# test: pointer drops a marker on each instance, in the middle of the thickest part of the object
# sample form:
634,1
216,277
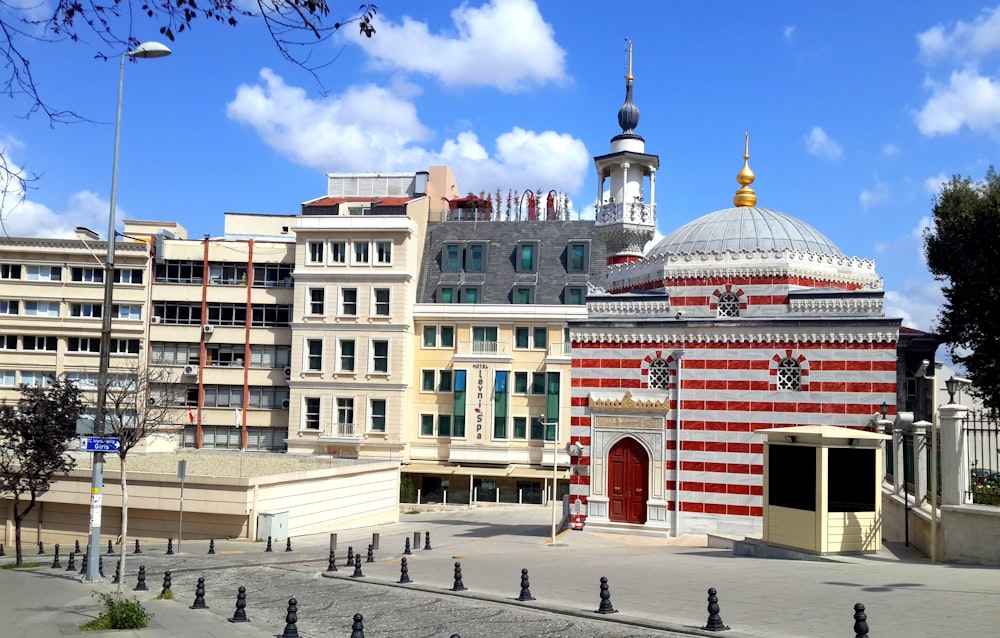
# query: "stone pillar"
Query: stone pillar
921,448
903,422
954,459
652,191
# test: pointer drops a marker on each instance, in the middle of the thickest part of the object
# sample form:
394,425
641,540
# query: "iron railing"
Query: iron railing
982,446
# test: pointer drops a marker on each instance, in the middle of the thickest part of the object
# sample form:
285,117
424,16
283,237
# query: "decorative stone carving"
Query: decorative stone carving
628,402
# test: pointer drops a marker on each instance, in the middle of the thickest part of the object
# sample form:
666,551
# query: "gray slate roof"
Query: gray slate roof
501,276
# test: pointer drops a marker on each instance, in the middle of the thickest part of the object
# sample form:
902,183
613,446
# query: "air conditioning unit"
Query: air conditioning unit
189,370
155,319
284,404
208,329
288,372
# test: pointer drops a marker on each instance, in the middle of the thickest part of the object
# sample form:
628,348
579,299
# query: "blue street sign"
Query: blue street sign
99,444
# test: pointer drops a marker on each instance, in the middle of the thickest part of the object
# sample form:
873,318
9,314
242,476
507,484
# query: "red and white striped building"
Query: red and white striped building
741,320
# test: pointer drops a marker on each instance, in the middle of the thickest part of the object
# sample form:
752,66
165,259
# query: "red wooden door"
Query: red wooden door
628,479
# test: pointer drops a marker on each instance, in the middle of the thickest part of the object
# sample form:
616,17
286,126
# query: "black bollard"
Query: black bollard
427,540
83,565
241,606
111,550
170,547
166,584
350,556
331,565
860,621
371,554
211,546
406,547
1,550
118,573
357,566
199,594
288,544
606,607
358,628
525,590
76,547
71,565
100,565
55,561
140,581
268,548
41,548
137,550
404,572
291,618
459,585
714,619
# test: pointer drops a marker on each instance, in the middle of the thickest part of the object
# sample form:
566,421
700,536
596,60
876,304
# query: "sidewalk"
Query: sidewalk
656,583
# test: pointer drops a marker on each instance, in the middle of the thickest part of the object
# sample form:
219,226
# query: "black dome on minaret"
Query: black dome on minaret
628,114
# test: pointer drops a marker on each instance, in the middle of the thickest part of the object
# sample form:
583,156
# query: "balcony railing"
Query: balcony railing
342,431
560,349
484,347
635,212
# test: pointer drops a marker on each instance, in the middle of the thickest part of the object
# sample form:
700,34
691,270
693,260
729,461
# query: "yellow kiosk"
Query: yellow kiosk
822,489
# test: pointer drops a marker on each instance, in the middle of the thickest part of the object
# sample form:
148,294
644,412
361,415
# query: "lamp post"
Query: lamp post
143,51
555,467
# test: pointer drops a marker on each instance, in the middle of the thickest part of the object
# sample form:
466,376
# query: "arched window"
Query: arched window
729,305
789,374
659,374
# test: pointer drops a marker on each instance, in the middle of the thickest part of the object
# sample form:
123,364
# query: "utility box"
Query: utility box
822,489
273,524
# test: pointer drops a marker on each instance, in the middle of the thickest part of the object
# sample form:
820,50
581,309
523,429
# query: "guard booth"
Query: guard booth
822,489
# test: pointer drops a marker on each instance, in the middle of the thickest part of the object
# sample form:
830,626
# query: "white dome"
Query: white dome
745,229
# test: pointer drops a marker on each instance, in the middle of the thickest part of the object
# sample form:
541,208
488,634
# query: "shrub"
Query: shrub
119,614
407,491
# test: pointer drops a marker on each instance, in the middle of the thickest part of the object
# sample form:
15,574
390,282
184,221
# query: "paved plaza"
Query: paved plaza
658,585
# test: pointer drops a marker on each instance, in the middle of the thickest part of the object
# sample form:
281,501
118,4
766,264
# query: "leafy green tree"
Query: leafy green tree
962,247
34,440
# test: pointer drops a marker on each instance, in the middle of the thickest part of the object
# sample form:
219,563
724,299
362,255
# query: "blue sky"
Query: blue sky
856,115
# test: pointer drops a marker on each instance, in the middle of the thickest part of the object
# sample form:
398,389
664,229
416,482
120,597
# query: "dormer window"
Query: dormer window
729,305
527,257
577,259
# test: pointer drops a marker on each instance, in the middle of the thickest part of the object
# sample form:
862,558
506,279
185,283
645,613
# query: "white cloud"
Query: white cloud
968,99
789,33
890,149
917,302
879,194
966,40
504,44
819,143
371,128
933,184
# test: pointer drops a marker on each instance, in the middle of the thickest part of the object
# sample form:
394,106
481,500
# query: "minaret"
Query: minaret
626,218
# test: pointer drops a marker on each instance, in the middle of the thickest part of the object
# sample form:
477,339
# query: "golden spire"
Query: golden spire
628,74
745,195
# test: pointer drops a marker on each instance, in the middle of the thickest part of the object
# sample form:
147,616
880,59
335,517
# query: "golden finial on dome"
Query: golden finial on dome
745,196
628,73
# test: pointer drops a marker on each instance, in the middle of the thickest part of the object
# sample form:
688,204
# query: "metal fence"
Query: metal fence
982,445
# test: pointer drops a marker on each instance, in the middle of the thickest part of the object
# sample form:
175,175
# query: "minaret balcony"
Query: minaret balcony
632,213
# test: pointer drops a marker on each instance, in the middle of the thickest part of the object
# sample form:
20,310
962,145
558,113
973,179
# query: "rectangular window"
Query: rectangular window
484,340
87,275
458,404
227,273
383,252
41,308
551,405
447,336
272,275
128,275
30,342
311,420
521,337
85,310
475,258
339,252
8,306
347,355
179,271
576,257
77,344
225,355
315,252
43,273
444,425
314,354
537,429
34,379
430,336
377,412
345,417
446,295
361,252
129,313
575,296
540,338
380,356
10,271
349,301
124,346
426,425
523,294
267,316
520,383
526,257
538,383
451,260
317,301
520,427
7,379
8,342
444,378
427,380
262,356
382,302
500,405
470,295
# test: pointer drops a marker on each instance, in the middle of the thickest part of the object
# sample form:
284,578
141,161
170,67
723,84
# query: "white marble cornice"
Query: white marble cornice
624,336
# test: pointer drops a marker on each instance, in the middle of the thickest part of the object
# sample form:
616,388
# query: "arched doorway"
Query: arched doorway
628,479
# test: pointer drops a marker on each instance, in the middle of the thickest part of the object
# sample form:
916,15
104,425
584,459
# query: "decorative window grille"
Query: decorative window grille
789,375
659,374
729,305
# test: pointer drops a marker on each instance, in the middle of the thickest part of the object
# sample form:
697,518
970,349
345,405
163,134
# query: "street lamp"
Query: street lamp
555,466
951,385
143,51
